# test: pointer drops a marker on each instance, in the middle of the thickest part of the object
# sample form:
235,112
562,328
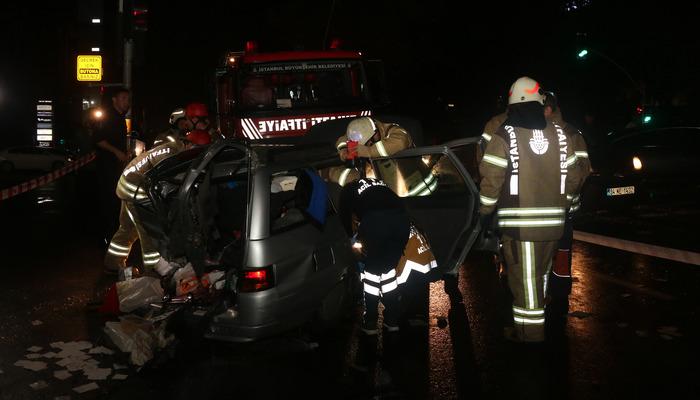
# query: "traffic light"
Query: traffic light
582,54
140,19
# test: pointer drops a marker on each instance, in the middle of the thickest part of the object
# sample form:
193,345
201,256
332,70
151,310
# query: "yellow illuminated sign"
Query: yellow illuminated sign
89,68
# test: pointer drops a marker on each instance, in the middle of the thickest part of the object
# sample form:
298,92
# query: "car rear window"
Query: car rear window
297,197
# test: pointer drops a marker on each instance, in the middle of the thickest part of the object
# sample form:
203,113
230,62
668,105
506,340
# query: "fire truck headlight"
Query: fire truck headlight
97,114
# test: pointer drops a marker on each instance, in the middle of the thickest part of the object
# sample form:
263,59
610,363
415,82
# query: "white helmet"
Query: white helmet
525,89
361,129
176,115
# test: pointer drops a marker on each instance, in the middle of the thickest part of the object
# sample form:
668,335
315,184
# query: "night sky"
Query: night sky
431,49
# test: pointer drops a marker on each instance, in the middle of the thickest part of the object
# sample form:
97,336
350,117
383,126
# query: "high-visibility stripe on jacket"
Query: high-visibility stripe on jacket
578,143
527,174
130,183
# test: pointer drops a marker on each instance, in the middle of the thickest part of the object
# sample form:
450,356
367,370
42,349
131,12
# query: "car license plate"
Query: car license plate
620,191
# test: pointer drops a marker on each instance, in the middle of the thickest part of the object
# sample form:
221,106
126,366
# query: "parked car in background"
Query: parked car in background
33,158
644,165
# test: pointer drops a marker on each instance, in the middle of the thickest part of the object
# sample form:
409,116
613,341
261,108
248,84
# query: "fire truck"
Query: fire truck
261,95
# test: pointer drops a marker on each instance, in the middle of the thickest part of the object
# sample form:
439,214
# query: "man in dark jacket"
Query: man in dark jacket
111,156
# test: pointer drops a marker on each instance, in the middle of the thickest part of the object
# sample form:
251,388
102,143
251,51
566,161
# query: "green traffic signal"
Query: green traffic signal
647,119
582,53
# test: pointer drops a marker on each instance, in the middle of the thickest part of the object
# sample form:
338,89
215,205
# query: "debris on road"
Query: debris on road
138,336
101,350
31,365
32,356
34,349
36,322
38,385
86,388
119,377
669,331
62,374
98,374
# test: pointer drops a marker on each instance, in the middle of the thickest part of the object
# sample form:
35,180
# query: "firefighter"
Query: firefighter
374,139
177,130
529,176
559,283
197,116
129,190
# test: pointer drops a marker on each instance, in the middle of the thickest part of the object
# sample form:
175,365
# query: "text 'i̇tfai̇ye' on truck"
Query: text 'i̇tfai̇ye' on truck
263,95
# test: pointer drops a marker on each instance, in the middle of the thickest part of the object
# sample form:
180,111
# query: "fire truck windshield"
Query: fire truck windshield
301,84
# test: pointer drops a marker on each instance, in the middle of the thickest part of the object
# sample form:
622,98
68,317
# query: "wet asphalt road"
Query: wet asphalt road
631,332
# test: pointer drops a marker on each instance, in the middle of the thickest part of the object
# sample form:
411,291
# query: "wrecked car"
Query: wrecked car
260,212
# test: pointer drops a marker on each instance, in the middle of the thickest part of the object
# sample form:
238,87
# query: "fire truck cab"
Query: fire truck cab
262,95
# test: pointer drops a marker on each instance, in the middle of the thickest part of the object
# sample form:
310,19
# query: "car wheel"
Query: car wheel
335,305
6,166
57,164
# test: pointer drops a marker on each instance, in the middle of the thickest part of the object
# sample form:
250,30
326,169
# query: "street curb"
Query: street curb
683,256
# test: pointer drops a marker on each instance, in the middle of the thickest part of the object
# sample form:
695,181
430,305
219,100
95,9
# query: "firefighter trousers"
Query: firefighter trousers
380,288
129,231
528,265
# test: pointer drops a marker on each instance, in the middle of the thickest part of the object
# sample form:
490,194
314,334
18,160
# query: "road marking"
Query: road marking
667,253
632,286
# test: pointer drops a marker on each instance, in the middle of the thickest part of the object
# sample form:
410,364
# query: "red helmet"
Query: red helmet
196,110
198,137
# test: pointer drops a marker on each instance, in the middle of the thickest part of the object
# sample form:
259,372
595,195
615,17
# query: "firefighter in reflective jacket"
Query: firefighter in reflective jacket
179,126
129,190
529,175
374,139
559,284
391,249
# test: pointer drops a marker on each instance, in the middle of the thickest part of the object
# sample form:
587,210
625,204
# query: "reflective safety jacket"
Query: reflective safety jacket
530,176
393,139
417,256
130,182
583,163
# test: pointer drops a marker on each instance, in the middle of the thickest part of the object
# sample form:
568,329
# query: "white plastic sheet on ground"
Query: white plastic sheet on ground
137,336
138,292
86,388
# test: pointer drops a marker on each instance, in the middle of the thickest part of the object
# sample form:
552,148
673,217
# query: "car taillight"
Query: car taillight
255,280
